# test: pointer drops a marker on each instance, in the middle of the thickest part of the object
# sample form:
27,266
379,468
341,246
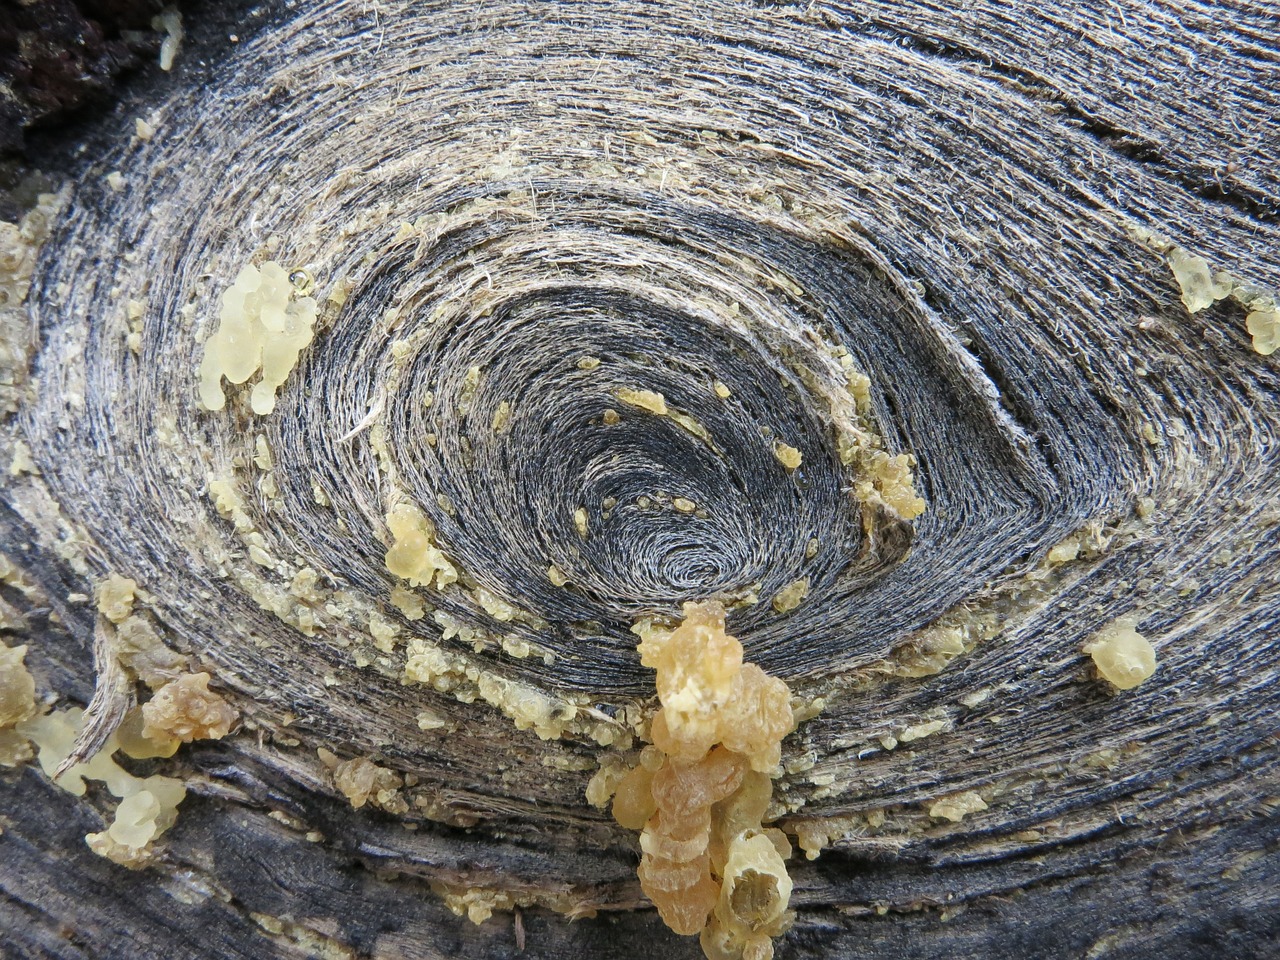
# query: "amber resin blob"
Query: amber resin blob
700,793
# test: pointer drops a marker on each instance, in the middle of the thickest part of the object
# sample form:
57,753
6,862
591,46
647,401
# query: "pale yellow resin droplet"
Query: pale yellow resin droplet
135,822
115,596
1264,327
1124,657
791,596
649,400
148,805
1200,287
170,21
502,417
788,456
133,744
186,709
17,687
414,554
957,806
261,327
702,790
1065,551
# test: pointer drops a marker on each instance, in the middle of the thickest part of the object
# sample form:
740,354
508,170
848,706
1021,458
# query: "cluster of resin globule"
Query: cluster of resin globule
700,793
261,327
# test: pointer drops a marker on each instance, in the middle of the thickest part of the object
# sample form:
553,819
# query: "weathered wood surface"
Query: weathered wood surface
945,188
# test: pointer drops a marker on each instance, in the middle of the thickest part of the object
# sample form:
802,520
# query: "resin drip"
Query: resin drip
700,793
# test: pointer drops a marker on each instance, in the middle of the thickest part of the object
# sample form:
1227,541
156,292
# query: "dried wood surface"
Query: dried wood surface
690,193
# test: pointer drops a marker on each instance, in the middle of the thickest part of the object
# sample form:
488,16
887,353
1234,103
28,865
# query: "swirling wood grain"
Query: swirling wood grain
690,194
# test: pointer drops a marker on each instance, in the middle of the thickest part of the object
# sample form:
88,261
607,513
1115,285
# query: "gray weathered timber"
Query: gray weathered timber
691,193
